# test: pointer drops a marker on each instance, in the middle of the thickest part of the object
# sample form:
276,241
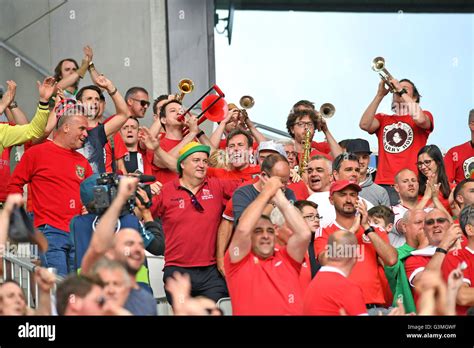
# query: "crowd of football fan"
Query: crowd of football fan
233,213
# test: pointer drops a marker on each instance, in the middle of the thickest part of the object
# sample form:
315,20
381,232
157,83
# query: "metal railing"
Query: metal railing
22,271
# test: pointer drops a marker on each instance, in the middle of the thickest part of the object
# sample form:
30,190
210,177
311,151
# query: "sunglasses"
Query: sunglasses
431,222
195,203
143,103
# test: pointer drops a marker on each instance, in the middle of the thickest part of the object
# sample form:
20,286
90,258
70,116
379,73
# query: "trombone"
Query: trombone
378,65
185,86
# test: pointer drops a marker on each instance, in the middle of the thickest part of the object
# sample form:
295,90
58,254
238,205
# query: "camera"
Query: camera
106,190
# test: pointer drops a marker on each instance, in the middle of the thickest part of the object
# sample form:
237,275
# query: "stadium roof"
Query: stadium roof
422,6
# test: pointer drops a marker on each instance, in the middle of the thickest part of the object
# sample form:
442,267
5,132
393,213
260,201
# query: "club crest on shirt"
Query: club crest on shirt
206,194
468,166
397,137
80,171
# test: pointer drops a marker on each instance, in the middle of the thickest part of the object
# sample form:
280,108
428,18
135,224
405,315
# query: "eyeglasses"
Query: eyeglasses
430,222
312,218
291,153
143,103
305,124
425,162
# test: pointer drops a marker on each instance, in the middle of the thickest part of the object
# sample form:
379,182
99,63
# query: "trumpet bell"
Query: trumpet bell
186,86
327,110
217,112
378,64
247,102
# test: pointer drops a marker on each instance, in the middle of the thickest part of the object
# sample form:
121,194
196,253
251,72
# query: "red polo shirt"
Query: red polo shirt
452,261
190,235
365,273
264,287
330,291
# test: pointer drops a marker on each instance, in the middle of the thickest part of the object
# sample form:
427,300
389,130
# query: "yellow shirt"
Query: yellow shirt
17,135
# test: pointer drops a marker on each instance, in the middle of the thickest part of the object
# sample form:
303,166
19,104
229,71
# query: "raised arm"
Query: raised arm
384,250
298,242
14,114
253,130
241,243
161,158
335,148
368,122
102,239
121,110
216,136
8,96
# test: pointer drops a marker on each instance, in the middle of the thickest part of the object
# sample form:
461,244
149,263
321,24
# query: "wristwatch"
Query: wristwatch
13,105
370,229
441,250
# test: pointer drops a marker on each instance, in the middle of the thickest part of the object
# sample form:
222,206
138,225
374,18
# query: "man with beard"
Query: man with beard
443,236
373,243
126,246
98,133
400,135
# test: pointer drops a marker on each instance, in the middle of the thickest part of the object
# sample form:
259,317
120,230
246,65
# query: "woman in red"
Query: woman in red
432,176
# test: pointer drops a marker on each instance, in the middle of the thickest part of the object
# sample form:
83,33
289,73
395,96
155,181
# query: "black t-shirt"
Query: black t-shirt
94,150
133,162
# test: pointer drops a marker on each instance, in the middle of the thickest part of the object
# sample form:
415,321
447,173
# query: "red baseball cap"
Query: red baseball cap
340,185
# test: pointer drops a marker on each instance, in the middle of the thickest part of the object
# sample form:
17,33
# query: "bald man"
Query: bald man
126,246
330,292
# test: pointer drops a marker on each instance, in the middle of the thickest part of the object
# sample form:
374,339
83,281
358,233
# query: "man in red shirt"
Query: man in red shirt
465,297
238,154
190,208
401,135
173,140
459,160
442,237
263,280
54,171
330,291
464,193
373,243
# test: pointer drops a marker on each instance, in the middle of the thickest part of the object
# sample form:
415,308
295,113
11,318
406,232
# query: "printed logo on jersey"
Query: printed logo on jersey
397,137
468,166
80,171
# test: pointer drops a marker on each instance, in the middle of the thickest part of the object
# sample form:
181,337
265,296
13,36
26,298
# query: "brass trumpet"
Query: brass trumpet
247,102
378,65
327,110
185,86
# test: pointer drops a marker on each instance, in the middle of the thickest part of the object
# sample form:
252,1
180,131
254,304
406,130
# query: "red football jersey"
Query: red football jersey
264,287
459,161
365,273
330,291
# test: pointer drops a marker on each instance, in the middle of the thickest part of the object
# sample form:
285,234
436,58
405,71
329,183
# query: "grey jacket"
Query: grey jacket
374,193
